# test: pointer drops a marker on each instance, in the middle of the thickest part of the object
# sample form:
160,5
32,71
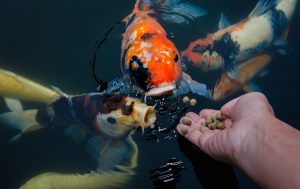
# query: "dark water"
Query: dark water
51,42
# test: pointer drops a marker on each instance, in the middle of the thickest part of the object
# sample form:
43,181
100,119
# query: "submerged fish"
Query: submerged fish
148,56
106,119
248,70
237,43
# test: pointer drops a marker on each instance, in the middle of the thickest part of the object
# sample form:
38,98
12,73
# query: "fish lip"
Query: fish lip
162,89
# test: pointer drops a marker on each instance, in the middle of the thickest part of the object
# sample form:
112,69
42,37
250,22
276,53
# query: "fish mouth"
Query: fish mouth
144,115
161,90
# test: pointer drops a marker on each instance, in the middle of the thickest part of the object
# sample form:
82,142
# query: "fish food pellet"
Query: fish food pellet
219,117
193,102
186,100
209,120
212,126
220,126
214,122
186,121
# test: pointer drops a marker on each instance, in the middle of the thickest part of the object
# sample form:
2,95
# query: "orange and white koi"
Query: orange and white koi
244,40
148,56
248,70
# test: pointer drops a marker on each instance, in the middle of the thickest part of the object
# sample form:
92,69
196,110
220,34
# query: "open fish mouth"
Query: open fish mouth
144,115
161,90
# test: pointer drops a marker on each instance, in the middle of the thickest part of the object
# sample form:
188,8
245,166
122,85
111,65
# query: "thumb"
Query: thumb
228,108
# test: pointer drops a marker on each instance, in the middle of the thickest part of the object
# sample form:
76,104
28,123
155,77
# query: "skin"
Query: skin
266,148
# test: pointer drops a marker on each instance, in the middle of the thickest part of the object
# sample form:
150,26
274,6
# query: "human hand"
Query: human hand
243,116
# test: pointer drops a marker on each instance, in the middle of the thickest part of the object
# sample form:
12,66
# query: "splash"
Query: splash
167,175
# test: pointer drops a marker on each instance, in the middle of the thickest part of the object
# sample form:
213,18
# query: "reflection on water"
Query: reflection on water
51,42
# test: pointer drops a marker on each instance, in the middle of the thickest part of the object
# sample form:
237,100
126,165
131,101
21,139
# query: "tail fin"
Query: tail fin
15,86
173,11
264,6
24,121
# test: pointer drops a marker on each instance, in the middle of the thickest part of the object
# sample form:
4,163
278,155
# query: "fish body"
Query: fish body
114,115
239,42
248,70
148,56
16,86
102,121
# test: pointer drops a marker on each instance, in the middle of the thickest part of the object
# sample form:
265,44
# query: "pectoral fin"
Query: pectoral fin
233,71
96,145
282,47
186,84
77,133
252,87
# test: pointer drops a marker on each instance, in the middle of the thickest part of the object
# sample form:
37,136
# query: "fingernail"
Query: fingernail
184,130
186,121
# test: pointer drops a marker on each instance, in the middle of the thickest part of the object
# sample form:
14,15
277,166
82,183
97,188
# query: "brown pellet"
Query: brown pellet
193,102
220,125
186,100
209,119
211,125
220,117
214,122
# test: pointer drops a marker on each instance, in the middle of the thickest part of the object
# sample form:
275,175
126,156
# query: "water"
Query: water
51,42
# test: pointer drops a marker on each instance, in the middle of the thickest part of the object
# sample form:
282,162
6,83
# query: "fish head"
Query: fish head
200,54
152,61
123,114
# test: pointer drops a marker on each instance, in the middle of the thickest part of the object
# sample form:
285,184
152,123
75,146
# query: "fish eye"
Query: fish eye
198,49
111,120
134,64
176,58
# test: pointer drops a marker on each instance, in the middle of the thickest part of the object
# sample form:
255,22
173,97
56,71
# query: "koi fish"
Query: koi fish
248,70
239,42
103,121
148,57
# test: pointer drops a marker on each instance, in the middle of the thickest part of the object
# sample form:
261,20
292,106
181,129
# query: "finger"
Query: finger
193,116
182,129
193,135
186,121
198,136
228,107
208,112
203,129
195,124
206,138
228,123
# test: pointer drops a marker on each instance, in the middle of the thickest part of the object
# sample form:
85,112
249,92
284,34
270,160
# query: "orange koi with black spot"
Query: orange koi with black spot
148,56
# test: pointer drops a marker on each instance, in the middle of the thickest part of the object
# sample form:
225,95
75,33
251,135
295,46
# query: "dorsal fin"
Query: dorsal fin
224,21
